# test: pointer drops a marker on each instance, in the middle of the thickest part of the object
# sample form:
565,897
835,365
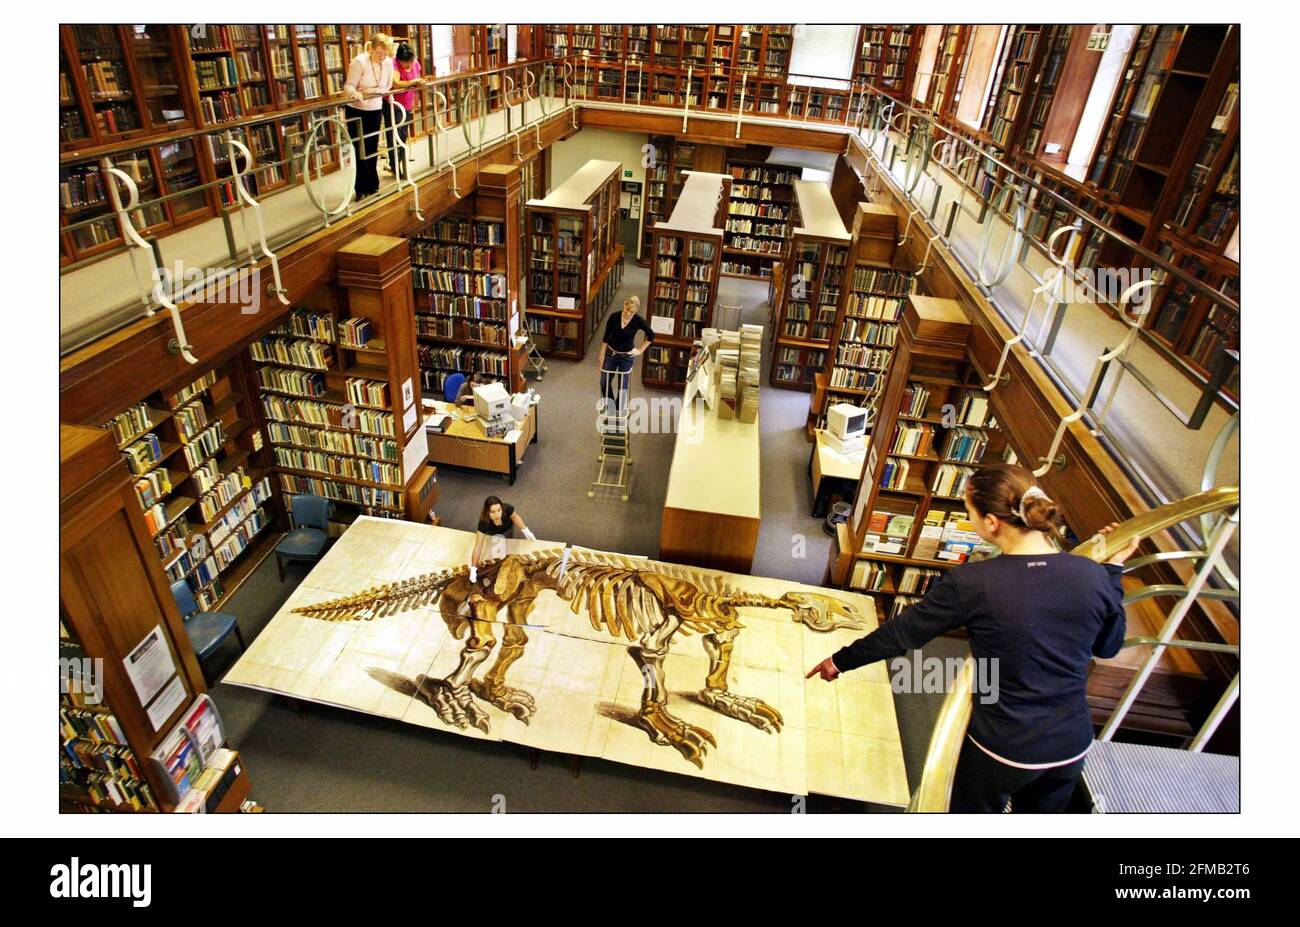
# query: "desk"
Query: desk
832,473
711,511
465,444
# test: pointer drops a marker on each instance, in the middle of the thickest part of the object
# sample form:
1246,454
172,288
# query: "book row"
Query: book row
336,442
459,282
328,415
342,492
298,352
372,471
470,307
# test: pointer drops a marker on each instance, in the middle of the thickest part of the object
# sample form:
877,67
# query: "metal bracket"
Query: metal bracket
740,110
686,97
398,117
1007,259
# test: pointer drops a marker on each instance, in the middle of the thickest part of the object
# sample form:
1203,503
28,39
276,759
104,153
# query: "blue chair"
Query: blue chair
207,630
306,542
451,388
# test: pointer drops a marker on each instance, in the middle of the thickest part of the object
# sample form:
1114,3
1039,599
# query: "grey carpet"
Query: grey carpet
337,760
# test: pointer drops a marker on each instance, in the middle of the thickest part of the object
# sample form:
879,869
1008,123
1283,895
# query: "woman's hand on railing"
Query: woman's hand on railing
1119,556
826,669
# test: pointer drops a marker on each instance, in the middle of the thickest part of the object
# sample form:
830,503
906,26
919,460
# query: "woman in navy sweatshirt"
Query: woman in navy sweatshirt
1042,615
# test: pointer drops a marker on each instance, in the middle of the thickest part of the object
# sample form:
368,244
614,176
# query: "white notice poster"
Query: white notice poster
166,703
408,393
409,418
662,324
150,665
415,454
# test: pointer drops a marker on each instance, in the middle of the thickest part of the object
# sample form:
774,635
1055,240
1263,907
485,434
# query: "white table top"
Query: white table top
696,209
582,183
716,465
817,211
832,463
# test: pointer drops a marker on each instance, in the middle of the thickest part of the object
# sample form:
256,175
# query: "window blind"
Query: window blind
822,56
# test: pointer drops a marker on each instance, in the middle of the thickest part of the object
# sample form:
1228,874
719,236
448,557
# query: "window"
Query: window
443,47
925,66
978,73
822,56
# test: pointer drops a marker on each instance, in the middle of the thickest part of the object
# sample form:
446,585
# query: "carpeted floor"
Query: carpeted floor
337,760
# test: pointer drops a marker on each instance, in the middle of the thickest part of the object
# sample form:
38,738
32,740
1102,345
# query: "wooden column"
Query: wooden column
376,272
112,591
499,198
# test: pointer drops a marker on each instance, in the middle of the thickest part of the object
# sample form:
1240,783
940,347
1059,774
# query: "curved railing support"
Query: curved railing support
1012,244
397,118
232,145
129,233
347,163
1050,289
1098,372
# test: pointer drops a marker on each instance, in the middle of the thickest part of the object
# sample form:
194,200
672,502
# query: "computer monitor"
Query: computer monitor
491,401
846,421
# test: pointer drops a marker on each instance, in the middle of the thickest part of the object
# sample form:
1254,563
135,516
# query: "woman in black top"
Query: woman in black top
1042,615
494,523
617,353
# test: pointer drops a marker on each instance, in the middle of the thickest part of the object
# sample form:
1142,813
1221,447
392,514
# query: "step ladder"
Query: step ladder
534,360
615,455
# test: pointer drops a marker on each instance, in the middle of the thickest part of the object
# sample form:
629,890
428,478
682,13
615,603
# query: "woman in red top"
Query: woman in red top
406,77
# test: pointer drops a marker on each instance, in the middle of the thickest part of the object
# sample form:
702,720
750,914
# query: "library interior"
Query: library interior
649,418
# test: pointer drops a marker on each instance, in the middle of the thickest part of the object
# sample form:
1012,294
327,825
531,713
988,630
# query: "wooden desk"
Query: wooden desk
711,511
466,444
832,473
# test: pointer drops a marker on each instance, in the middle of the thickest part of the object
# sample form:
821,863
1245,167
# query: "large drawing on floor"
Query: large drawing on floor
548,643
647,604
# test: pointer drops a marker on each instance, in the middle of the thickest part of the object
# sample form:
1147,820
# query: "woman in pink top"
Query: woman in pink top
406,77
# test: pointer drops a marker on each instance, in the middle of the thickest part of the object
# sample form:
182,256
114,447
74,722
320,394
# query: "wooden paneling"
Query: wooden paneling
1072,90
710,131
720,542
112,592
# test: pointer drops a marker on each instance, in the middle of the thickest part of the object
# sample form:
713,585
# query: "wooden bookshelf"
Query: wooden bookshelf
465,268
866,320
887,56
1019,61
346,424
203,498
673,158
934,426
684,276
803,317
112,600
758,224
573,252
